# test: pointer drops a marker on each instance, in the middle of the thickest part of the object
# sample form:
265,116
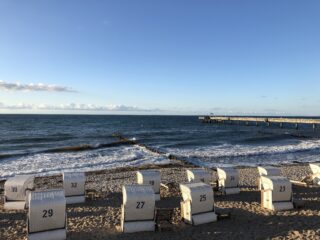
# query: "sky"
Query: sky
182,57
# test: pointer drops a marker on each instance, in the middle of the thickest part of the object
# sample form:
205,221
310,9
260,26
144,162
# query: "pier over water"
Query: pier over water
314,122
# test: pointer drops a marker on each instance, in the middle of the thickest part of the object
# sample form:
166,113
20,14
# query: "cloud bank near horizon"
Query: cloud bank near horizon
77,107
33,87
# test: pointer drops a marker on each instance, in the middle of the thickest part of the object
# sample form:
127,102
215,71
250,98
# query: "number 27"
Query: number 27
140,205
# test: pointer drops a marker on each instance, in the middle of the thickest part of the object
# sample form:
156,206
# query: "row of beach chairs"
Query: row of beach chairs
47,209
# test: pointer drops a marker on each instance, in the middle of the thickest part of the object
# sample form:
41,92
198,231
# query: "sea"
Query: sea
50,144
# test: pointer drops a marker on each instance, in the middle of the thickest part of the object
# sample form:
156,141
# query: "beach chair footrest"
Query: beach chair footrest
15,205
204,218
75,199
229,191
299,204
282,206
138,226
60,234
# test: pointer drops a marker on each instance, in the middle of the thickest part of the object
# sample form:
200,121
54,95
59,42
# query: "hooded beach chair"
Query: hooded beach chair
315,169
138,208
47,215
151,177
16,191
199,175
74,187
267,171
197,206
276,194
228,180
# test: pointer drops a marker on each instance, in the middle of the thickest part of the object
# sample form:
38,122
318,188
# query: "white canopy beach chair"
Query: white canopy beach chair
267,171
197,206
16,191
74,187
277,193
228,180
138,209
47,215
199,175
315,169
151,177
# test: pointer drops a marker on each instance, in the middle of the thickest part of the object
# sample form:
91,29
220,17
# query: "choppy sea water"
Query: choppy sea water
46,144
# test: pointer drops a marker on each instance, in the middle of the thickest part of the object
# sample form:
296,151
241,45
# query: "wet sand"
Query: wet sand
99,218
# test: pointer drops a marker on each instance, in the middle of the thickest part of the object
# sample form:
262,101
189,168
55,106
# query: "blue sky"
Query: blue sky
160,57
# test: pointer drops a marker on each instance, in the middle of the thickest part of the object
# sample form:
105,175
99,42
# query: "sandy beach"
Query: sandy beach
99,217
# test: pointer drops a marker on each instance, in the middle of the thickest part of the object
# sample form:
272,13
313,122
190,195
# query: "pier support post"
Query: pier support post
314,127
297,126
257,124
247,123
281,125
268,124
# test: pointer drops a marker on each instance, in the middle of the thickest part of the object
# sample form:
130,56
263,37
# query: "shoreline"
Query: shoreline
173,163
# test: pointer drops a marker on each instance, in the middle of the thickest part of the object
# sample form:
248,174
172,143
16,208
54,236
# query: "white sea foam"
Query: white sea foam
252,155
208,156
53,163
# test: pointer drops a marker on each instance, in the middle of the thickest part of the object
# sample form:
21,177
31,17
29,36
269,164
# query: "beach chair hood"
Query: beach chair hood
47,211
199,175
200,195
138,202
16,187
74,183
280,186
315,168
151,177
228,176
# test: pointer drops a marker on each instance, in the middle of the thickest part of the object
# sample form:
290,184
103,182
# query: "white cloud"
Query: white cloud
77,107
33,87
